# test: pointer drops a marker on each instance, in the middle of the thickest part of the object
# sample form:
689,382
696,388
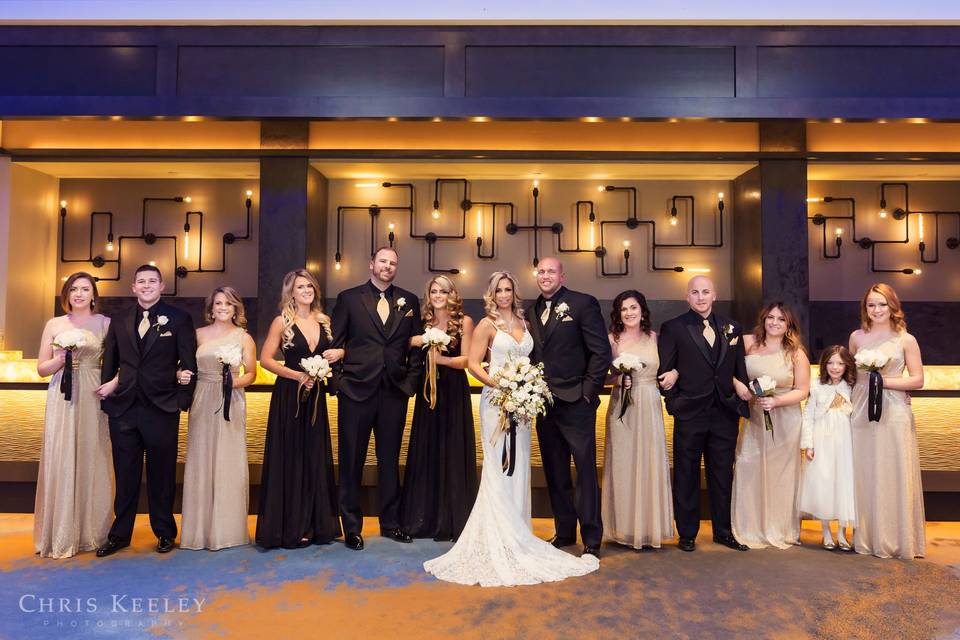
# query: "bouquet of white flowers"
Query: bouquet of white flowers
872,360
69,340
435,341
318,368
522,394
230,355
763,387
626,364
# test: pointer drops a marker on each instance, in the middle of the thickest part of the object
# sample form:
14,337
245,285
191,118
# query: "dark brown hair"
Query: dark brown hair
65,290
148,267
792,341
616,322
850,375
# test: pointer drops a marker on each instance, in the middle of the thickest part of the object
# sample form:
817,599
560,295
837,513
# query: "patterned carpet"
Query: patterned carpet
330,591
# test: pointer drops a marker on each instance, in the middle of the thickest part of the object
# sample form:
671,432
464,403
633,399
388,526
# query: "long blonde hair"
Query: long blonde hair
288,305
897,319
239,313
454,308
489,298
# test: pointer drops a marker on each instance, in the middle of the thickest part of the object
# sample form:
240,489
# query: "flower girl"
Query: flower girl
826,492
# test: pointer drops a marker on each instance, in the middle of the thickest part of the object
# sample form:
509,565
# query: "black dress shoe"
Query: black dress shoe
591,549
354,541
110,547
730,541
397,535
562,541
687,544
165,545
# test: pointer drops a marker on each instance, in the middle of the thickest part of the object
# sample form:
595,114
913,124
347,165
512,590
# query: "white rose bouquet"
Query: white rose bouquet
318,368
230,355
69,341
522,394
764,387
626,364
872,360
435,341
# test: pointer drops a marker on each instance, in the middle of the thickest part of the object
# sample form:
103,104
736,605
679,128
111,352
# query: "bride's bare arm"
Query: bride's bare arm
479,343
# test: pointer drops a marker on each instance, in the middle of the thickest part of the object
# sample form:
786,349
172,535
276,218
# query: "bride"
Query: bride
497,546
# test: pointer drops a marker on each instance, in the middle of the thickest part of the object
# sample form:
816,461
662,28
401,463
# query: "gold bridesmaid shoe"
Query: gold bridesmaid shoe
829,546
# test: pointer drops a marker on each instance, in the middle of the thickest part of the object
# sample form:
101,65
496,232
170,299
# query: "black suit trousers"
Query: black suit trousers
569,428
384,412
143,428
712,435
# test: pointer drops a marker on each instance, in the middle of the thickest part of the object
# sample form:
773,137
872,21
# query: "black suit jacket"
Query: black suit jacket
682,347
372,349
574,349
149,370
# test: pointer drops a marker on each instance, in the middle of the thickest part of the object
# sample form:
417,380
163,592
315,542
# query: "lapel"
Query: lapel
724,345
534,323
395,318
695,327
372,310
152,333
552,321
132,320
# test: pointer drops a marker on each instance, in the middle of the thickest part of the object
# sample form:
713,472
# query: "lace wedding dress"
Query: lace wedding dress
497,546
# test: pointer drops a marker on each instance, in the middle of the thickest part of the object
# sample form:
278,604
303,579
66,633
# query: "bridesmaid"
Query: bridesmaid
886,461
637,507
74,504
298,496
440,479
215,478
766,481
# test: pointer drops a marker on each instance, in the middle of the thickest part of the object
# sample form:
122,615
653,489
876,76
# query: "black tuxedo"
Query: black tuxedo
378,375
145,410
706,411
575,353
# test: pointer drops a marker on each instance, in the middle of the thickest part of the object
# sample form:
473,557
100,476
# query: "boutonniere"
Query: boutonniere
161,322
401,303
562,310
728,330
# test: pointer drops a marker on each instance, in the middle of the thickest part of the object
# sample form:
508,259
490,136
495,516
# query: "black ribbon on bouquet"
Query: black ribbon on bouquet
66,380
626,397
508,458
227,391
875,397
767,420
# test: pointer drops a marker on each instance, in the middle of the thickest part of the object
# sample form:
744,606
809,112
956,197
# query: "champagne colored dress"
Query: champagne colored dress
637,507
766,478
74,504
886,467
215,477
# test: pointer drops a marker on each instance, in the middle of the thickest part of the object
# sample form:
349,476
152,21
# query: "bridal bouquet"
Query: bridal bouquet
69,340
627,363
317,368
435,341
872,360
521,392
763,387
230,355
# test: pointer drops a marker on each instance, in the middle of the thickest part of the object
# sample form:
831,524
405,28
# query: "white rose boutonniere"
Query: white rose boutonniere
161,322
562,310
728,330
401,303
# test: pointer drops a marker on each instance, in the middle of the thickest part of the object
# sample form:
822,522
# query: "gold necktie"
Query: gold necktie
708,333
144,325
546,313
383,308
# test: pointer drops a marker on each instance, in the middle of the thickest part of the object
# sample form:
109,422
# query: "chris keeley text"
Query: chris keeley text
116,603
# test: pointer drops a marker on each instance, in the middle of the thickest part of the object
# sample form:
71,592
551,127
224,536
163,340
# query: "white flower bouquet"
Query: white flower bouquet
436,341
763,387
626,364
318,368
230,355
522,394
69,341
872,360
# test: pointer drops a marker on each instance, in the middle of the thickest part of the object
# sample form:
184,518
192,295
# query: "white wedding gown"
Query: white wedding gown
497,547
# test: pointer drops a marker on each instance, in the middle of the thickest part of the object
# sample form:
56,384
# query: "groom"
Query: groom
373,323
570,340
142,352
707,351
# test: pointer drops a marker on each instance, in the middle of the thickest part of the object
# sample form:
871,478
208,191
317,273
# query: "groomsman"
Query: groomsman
142,352
570,340
373,323
707,351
